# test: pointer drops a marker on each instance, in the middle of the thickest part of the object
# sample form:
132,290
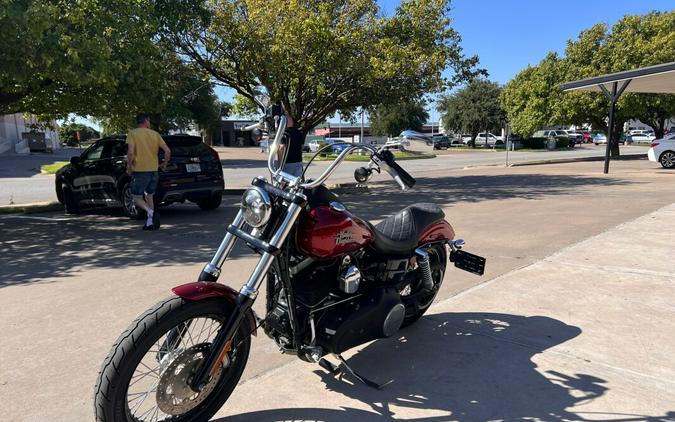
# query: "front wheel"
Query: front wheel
147,373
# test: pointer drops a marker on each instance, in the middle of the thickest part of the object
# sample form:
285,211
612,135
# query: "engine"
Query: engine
337,307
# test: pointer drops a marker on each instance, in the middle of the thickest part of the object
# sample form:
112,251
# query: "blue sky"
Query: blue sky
508,35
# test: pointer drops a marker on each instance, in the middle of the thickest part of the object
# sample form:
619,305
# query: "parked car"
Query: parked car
314,145
98,176
663,151
492,139
642,136
574,137
599,138
586,137
441,142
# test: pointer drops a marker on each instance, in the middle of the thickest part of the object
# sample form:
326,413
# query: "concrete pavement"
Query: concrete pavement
70,284
585,334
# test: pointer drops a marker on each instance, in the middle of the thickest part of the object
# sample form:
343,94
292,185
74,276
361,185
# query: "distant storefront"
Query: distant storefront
231,134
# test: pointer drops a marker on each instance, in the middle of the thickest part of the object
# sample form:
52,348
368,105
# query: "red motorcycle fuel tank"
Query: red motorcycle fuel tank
331,231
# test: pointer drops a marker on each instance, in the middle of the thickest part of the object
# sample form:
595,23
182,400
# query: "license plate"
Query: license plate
193,168
468,262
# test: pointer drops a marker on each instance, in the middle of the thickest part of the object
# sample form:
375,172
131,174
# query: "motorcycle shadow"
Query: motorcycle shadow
460,367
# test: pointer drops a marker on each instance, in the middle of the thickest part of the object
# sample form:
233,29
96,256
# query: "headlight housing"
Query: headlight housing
257,206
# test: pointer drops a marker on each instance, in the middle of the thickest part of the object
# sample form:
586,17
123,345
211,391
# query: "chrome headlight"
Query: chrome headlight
257,207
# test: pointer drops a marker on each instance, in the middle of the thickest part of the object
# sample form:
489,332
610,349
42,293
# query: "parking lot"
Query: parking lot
70,284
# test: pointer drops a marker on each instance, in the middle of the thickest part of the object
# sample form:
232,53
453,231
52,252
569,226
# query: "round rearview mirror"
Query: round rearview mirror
362,174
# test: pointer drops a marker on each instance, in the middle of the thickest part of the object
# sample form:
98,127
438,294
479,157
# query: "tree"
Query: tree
393,118
472,109
315,58
245,107
68,133
61,57
533,98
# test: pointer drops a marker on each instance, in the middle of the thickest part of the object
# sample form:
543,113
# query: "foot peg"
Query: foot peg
343,367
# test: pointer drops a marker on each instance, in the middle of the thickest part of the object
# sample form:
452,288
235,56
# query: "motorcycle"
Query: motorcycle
332,281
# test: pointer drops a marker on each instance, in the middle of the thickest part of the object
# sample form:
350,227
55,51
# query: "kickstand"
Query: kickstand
337,370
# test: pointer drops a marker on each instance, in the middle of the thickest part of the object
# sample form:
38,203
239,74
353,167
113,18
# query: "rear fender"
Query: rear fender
201,290
439,231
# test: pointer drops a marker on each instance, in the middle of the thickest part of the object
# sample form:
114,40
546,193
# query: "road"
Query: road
240,166
70,284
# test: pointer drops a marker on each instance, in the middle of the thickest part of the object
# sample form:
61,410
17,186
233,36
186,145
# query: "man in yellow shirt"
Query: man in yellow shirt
142,164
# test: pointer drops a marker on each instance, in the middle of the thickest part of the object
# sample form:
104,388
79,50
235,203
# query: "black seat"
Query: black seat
399,233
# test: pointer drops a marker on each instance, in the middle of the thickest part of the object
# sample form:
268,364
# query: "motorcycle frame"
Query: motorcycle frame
288,188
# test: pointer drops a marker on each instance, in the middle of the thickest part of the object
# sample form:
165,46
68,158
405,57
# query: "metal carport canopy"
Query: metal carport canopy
659,79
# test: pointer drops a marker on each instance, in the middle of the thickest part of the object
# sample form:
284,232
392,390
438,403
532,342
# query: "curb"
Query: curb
31,208
579,159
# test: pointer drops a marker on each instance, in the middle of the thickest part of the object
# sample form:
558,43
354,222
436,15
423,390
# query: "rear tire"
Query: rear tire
667,160
111,401
211,203
417,299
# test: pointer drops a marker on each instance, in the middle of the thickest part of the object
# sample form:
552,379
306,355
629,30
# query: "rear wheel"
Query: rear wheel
147,373
415,297
667,159
210,203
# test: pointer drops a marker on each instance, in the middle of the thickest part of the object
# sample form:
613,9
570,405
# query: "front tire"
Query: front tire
164,369
71,202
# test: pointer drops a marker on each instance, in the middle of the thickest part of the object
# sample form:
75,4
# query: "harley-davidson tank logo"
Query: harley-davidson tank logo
344,237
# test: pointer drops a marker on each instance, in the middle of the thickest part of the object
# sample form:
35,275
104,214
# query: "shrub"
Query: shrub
535,143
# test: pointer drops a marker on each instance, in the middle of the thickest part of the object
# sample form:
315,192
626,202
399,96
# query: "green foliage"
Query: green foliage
68,133
472,109
245,107
322,56
58,57
533,98
53,167
392,119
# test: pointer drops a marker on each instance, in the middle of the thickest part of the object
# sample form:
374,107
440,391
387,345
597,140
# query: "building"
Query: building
231,134
16,130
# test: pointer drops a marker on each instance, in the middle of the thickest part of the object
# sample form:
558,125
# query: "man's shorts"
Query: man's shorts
144,182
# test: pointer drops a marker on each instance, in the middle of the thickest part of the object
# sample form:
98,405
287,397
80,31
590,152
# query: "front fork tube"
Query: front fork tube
211,270
247,295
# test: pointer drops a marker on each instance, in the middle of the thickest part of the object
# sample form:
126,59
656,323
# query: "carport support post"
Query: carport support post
610,124
613,96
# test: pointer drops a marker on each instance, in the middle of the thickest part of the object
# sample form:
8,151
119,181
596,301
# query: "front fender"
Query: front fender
201,290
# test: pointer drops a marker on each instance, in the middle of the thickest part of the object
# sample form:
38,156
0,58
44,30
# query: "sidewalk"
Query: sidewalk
585,334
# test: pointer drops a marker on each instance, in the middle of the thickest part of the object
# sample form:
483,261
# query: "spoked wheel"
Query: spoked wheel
668,159
147,374
415,297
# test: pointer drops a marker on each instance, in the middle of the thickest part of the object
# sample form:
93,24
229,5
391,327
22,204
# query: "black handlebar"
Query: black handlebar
407,179
388,157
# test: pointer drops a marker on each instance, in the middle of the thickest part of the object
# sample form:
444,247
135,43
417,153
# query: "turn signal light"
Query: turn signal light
654,144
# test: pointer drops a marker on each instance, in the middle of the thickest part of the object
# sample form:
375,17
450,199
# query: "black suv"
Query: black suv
98,176
441,141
